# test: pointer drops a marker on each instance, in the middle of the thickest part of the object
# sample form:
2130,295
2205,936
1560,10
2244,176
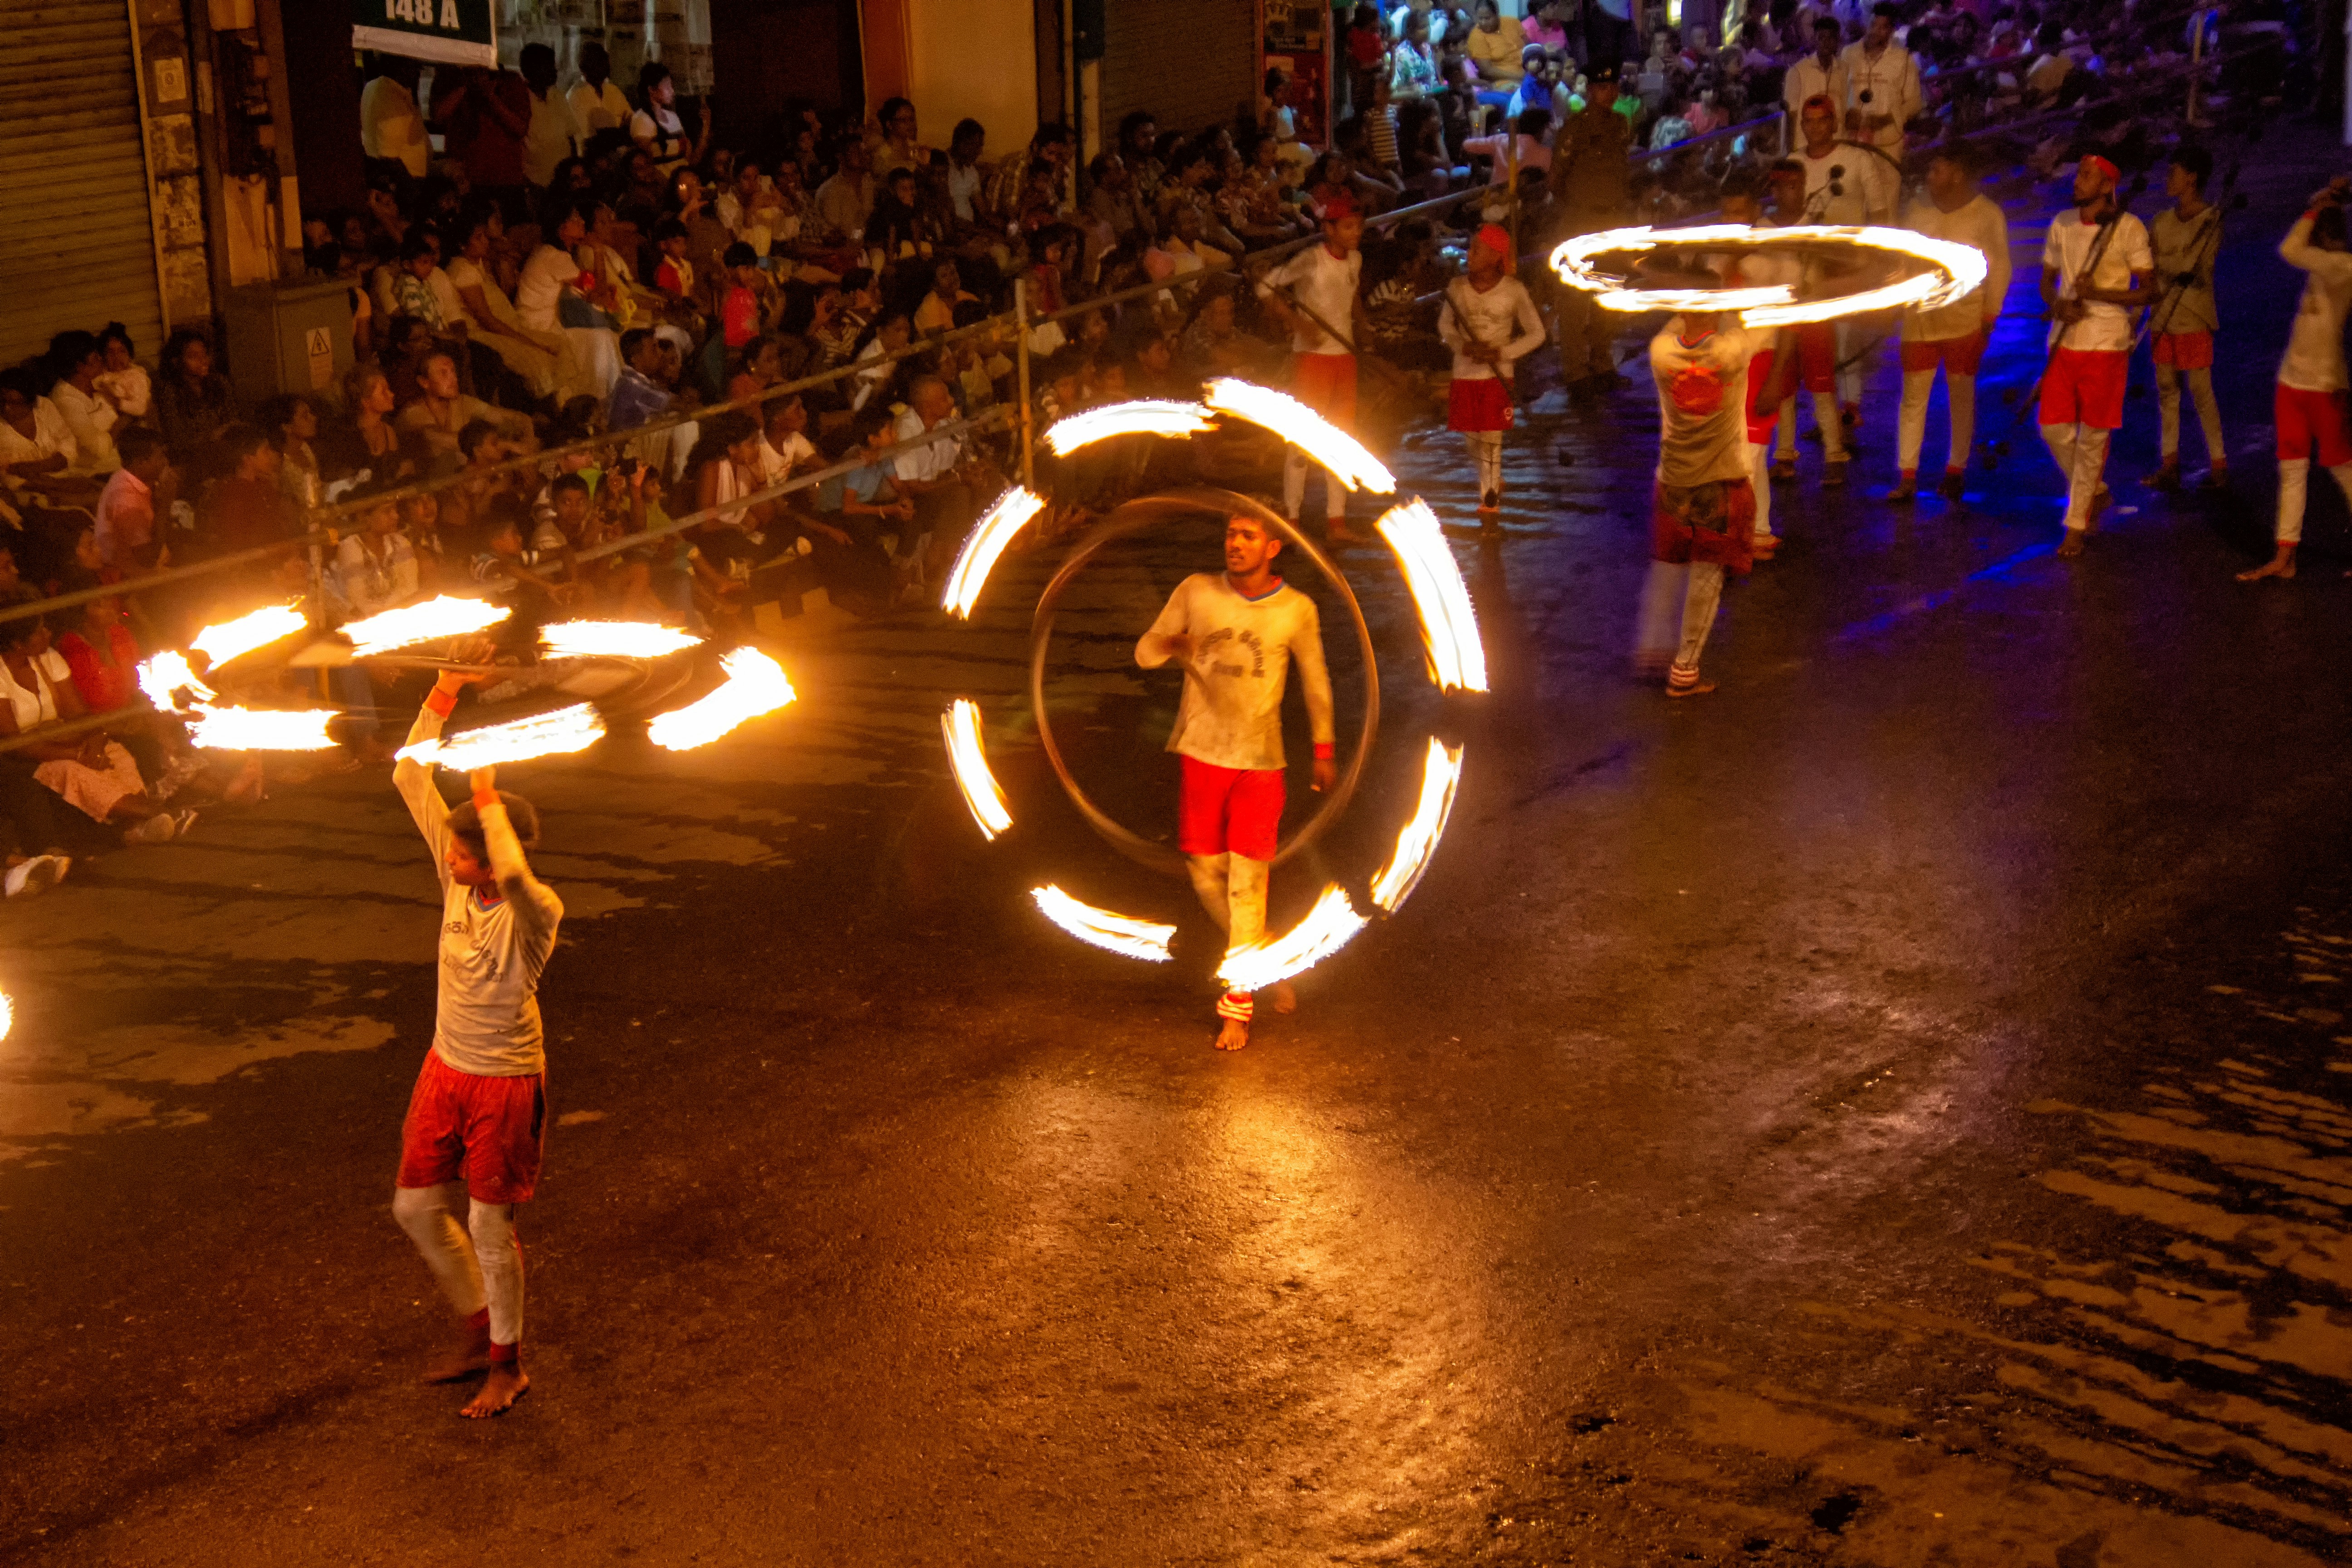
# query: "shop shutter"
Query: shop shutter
1191,62
77,245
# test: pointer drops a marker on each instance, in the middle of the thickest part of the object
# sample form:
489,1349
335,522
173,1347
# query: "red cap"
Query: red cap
2103,166
1494,237
1341,206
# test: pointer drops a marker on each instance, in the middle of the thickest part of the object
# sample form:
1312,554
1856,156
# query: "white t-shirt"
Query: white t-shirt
38,706
1809,79
1325,284
51,437
594,111
542,284
1504,318
776,464
926,462
1979,224
392,126
1230,713
1702,405
2068,251
550,138
91,418
1865,185
2315,344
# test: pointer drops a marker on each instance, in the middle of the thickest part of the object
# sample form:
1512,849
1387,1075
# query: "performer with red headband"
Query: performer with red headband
1315,294
2308,408
2097,269
478,1116
1236,634
1490,323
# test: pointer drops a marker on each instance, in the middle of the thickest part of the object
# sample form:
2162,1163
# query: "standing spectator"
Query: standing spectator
1592,190
655,126
1883,84
126,508
1366,47
193,401
552,134
597,101
392,126
486,119
124,382
1820,74
1609,36
74,360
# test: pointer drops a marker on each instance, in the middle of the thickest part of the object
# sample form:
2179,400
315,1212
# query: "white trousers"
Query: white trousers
2295,489
1294,487
2081,454
1911,422
2208,411
476,1269
1760,479
1485,448
1695,590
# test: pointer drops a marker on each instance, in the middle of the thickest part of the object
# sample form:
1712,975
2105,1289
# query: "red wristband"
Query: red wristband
486,798
442,702
1324,751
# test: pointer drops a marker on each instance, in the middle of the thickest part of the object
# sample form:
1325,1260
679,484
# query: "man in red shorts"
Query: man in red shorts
477,1117
2096,272
2186,236
1323,279
1237,632
1490,322
2308,409
1950,336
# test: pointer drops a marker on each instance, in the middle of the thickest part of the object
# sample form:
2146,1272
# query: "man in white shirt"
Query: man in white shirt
2185,237
1846,183
1882,84
1820,74
2097,273
1315,295
1236,634
1490,322
553,134
391,125
76,360
1953,336
945,507
596,99
477,1117
2308,406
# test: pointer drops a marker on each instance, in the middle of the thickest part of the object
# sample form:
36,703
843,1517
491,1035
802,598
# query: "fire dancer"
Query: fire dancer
1237,635
2309,401
477,1117
1490,323
1315,295
2096,268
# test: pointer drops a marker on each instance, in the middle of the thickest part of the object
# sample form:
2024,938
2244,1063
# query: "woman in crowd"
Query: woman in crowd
76,361
365,442
489,316
193,402
91,771
291,422
557,295
656,128
124,382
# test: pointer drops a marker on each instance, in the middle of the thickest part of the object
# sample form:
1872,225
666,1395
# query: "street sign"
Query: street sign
450,32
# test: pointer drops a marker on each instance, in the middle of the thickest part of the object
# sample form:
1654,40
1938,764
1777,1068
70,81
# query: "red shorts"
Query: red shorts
2309,420
1761,421
2185,351
1326,384
1710,522
1817,355
1479,403
1222,809
2085,386
490,1131
1958,356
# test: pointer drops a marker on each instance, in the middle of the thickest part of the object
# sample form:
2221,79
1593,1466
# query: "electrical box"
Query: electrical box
294,335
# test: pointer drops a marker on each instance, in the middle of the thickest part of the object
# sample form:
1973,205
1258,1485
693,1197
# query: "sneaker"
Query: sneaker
156,829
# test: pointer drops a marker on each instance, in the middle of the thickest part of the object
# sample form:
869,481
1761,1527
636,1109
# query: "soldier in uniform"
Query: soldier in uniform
1592,191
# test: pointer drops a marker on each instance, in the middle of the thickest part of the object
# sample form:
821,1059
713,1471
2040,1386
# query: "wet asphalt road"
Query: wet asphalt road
1892,1111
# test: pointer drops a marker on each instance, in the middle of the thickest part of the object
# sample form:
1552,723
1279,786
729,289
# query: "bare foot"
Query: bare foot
469,1357
507,1382
1234,1035
2277,567
2073,545
1284,999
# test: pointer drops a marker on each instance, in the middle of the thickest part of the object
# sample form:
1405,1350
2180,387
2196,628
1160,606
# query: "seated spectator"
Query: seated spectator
1528,130
750,306
638,397
91,771
555,294
408,343
857,512
897,229
845,202
127,508
936,313
785,445
435,420
1494,48
244,508
2045,80
291,420
673,273
439,564
76,361
1671,126
757,368
689,201
938,475
418,286
749,211
490,319
38,458
376,566
891,331
124,382
365,441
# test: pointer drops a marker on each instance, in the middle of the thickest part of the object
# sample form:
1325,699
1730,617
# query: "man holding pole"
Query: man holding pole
1315,294
2185,237
2096,272
1490,323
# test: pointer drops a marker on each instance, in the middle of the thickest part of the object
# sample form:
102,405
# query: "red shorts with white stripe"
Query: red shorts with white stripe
1220,810
488,1131
2085,386
2311,421
1958,356
1478,403
1817,355
2185,351
1326,384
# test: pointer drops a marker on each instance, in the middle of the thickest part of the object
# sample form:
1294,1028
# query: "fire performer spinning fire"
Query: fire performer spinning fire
479,1114
1236,636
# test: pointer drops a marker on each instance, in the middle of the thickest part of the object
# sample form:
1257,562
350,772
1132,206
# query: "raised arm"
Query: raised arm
535,905
413,779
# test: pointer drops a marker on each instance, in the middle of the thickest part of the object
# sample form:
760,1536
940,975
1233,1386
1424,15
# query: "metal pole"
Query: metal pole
1512,131
1021,362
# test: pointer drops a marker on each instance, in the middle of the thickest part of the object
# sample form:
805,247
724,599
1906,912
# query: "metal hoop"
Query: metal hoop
1134,517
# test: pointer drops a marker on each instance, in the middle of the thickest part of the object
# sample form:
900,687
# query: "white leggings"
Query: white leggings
1760,480
482,1269
1911,422
2209,412
2081,454
2295,488
1232,888
1826,419
1486,452
1294,487
1695,589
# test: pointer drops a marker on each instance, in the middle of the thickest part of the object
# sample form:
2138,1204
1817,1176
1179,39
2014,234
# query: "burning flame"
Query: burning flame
1440,773
1145,417
613,640
8,1016
1327,928
572,729
1957,269
755,684
1457,660
994,531
447,616
163,677
960,724
226,641
1337,451
1113,934
261,729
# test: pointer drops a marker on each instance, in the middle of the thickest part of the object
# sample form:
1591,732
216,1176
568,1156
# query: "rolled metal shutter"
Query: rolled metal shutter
1191,62
77,241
